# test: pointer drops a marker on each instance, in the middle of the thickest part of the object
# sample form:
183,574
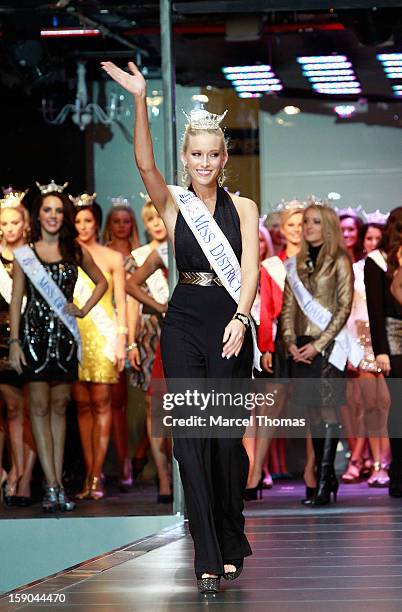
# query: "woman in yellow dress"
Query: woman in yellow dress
103,333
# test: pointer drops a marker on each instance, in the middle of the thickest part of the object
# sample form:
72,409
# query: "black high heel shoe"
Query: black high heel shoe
326,486
208,585
238,564
310,493
254,493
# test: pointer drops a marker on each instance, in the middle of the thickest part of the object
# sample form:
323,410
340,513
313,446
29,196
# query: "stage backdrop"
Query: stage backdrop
312,154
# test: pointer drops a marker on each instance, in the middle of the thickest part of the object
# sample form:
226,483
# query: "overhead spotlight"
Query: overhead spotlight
291,110
344,111
333,195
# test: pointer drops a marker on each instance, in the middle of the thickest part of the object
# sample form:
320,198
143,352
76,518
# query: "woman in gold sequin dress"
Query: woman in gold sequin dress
103,335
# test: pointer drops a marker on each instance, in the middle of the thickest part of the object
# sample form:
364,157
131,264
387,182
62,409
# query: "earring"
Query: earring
221,177
184,176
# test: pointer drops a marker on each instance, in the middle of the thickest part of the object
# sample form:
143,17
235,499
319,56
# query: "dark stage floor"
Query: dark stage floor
139,501
346,556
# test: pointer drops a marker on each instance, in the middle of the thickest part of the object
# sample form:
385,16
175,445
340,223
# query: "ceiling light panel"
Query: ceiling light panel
392,66
330,74
252,81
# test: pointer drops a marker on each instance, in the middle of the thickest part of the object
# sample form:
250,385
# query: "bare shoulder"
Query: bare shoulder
244,206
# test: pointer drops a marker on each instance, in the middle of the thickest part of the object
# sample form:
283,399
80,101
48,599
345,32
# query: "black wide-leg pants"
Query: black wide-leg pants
213,470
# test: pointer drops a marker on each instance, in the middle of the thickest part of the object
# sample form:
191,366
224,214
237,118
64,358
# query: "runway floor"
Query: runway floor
344,557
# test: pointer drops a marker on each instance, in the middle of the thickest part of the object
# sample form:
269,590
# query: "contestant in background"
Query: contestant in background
369,388
121,230
121,235
104,334
274,359
161,447
326,276
205,333
44,339
14,226
351,225
144,345
385,316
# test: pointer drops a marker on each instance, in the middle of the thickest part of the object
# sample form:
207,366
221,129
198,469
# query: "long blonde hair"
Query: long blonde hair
107,233
332,234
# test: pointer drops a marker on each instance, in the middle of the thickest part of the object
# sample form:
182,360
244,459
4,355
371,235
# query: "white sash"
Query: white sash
346,347
6,286
215,247
48,289
378,257
276,269
105,325
156,283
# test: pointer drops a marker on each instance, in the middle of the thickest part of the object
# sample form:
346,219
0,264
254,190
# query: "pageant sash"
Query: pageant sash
48,289
105,325
276,269
215,247
156,283
163,254
378,257
346,347
6,286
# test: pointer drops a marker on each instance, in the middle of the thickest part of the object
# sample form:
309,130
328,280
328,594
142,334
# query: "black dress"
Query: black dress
385,316
8,376
213,471
49,347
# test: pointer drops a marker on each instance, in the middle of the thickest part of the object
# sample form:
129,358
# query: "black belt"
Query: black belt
204,279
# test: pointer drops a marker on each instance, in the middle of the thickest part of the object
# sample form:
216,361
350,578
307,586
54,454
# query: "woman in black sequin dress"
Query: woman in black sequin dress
41,346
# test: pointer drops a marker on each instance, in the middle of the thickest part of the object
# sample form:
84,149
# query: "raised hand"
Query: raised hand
134,83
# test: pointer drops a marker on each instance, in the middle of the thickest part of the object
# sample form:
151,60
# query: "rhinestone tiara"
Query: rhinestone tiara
12,199
85,199
50,187
376,217
349,212
290,205
201,119
120,201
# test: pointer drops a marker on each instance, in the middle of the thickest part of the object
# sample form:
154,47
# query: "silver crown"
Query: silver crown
50,187
349,212
201,119
290,205
85,199
376,217
12,199
120,201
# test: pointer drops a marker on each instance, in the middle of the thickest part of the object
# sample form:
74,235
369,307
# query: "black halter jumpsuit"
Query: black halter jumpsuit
213,471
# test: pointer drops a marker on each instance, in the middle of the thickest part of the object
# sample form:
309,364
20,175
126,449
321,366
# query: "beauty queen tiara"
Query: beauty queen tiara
52,186
12,199
201,119
349,212
83,200
290,205
121,202
376,217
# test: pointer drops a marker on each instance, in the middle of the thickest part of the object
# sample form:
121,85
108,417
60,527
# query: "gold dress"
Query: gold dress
98,333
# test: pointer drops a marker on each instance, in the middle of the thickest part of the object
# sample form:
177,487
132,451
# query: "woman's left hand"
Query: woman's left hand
120,359
233,338
72,309
308,352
